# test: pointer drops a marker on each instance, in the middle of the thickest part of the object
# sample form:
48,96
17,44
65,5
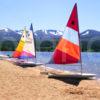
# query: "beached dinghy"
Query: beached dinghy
25,51
68,49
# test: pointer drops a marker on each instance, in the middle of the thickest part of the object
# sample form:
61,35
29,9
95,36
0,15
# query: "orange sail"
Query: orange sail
68,49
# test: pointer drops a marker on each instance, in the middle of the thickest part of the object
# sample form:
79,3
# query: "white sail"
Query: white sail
29,47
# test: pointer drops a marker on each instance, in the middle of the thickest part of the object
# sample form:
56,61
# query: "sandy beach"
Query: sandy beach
17,83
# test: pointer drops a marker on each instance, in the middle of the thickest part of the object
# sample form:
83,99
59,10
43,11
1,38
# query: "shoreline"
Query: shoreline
29,84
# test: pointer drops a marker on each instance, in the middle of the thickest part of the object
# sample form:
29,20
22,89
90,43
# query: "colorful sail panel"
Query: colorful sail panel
73,20
68,49
18,51
29,47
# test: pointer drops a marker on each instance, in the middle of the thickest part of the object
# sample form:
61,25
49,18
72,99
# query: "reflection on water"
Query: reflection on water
90,62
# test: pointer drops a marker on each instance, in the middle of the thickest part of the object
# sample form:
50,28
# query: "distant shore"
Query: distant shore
17,83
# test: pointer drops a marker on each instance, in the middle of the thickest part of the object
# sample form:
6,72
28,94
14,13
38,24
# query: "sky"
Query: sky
48,14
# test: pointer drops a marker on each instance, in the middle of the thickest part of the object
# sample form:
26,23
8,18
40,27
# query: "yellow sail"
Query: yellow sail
20,46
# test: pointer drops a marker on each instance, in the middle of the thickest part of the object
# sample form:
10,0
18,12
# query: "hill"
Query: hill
90,40
8,39
48,39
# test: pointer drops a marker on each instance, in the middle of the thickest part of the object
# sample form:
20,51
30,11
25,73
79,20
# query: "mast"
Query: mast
34,40
79,45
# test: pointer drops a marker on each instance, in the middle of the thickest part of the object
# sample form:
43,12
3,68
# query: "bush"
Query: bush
7,46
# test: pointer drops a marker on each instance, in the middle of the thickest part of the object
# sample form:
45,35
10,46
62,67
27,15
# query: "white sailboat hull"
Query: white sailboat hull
27,63
74,75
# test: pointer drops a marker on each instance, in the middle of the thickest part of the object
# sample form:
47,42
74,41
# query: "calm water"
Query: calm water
90,62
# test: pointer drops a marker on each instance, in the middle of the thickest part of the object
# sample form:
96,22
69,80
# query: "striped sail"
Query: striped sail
29,47
18,51
68,49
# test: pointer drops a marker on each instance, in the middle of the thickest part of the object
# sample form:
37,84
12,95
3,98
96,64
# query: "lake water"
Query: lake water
90,62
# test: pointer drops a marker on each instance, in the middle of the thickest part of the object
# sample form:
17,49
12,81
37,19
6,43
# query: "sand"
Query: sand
17,83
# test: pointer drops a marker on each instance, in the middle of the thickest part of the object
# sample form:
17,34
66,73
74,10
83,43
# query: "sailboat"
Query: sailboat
68,49
25,50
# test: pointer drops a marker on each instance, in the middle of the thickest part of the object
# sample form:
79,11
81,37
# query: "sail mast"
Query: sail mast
31,28
79,44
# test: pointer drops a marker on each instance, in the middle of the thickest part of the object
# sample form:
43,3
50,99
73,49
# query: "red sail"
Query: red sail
73,20
68,49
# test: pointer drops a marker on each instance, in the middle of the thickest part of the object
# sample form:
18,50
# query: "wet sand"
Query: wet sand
17,83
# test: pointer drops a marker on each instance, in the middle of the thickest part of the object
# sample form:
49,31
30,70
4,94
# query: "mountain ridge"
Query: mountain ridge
89,38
